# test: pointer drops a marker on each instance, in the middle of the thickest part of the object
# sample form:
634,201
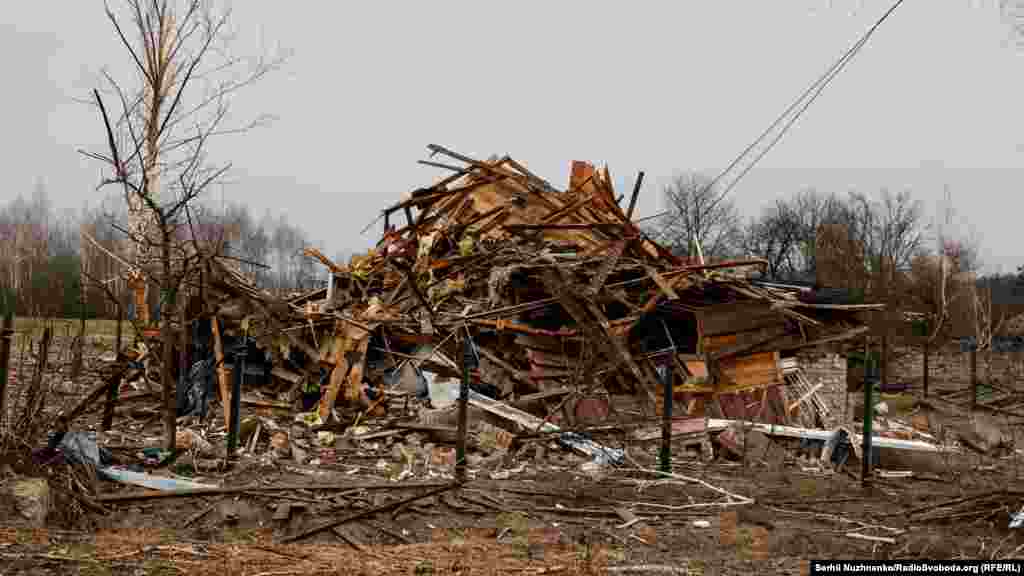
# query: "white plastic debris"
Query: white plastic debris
1017,520
325,438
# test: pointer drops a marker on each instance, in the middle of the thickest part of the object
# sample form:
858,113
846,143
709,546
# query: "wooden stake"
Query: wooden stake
666,420
869,416
367,513
223,376
6,333
114,388
636,194
468,363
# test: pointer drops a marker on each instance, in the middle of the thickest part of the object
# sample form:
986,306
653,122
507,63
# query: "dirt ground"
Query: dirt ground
539,511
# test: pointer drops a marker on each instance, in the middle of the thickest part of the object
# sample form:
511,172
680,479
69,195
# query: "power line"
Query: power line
814,90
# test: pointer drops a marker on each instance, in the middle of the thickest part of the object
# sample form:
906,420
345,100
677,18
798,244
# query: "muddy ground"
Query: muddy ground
538,511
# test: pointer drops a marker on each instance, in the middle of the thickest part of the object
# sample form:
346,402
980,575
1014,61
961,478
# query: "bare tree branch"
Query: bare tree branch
696,217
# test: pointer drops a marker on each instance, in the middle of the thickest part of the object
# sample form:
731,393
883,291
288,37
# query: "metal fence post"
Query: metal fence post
236,399
468,364
666,420
869,416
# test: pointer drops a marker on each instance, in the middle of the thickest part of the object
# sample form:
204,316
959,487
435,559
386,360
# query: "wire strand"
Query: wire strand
815,88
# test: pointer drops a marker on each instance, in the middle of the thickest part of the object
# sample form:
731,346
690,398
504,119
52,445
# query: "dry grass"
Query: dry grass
96,326
30,329
130,552
899,404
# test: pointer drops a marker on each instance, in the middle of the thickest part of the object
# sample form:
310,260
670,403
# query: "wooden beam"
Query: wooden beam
636,194
223,374
664,285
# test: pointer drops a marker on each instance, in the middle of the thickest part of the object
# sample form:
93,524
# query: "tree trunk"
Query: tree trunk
185,355
167,340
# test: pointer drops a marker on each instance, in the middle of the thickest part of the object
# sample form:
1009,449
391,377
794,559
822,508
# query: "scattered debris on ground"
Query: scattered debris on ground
567,324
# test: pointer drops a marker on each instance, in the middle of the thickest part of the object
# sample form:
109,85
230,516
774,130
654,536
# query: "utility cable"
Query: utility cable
814,90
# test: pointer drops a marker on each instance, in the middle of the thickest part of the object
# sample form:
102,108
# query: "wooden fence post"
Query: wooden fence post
6,334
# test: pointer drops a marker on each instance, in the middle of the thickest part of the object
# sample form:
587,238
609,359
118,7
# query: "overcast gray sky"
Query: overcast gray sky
935,99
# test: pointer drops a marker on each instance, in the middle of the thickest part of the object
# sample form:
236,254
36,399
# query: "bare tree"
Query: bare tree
787,235
184,74
811,211
774,236
889,229
696,214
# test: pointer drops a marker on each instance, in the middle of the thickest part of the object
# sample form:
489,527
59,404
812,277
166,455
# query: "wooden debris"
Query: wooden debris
151,495
366,513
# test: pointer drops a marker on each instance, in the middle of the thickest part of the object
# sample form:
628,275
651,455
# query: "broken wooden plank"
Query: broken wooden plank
663,284
597,283
286,375
649,384
228,490
540,396
531,423
880,539
806,396
275,324
351,541
198,515
635,195
282,512
369,512
92,396
594,226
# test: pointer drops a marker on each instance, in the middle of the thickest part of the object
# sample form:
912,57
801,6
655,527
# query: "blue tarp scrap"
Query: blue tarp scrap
1008,344
601,454
999,344
967,344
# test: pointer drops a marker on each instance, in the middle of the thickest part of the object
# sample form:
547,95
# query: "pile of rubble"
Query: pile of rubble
559,299
561,295
566,322
554,304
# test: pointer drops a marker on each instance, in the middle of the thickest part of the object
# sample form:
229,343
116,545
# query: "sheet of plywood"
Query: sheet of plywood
759,370
348,367
712,344
738,317
741,342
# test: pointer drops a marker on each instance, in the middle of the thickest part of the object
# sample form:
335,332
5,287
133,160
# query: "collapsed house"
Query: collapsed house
562,296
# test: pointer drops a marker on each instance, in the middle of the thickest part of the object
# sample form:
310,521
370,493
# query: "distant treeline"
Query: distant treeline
43,250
